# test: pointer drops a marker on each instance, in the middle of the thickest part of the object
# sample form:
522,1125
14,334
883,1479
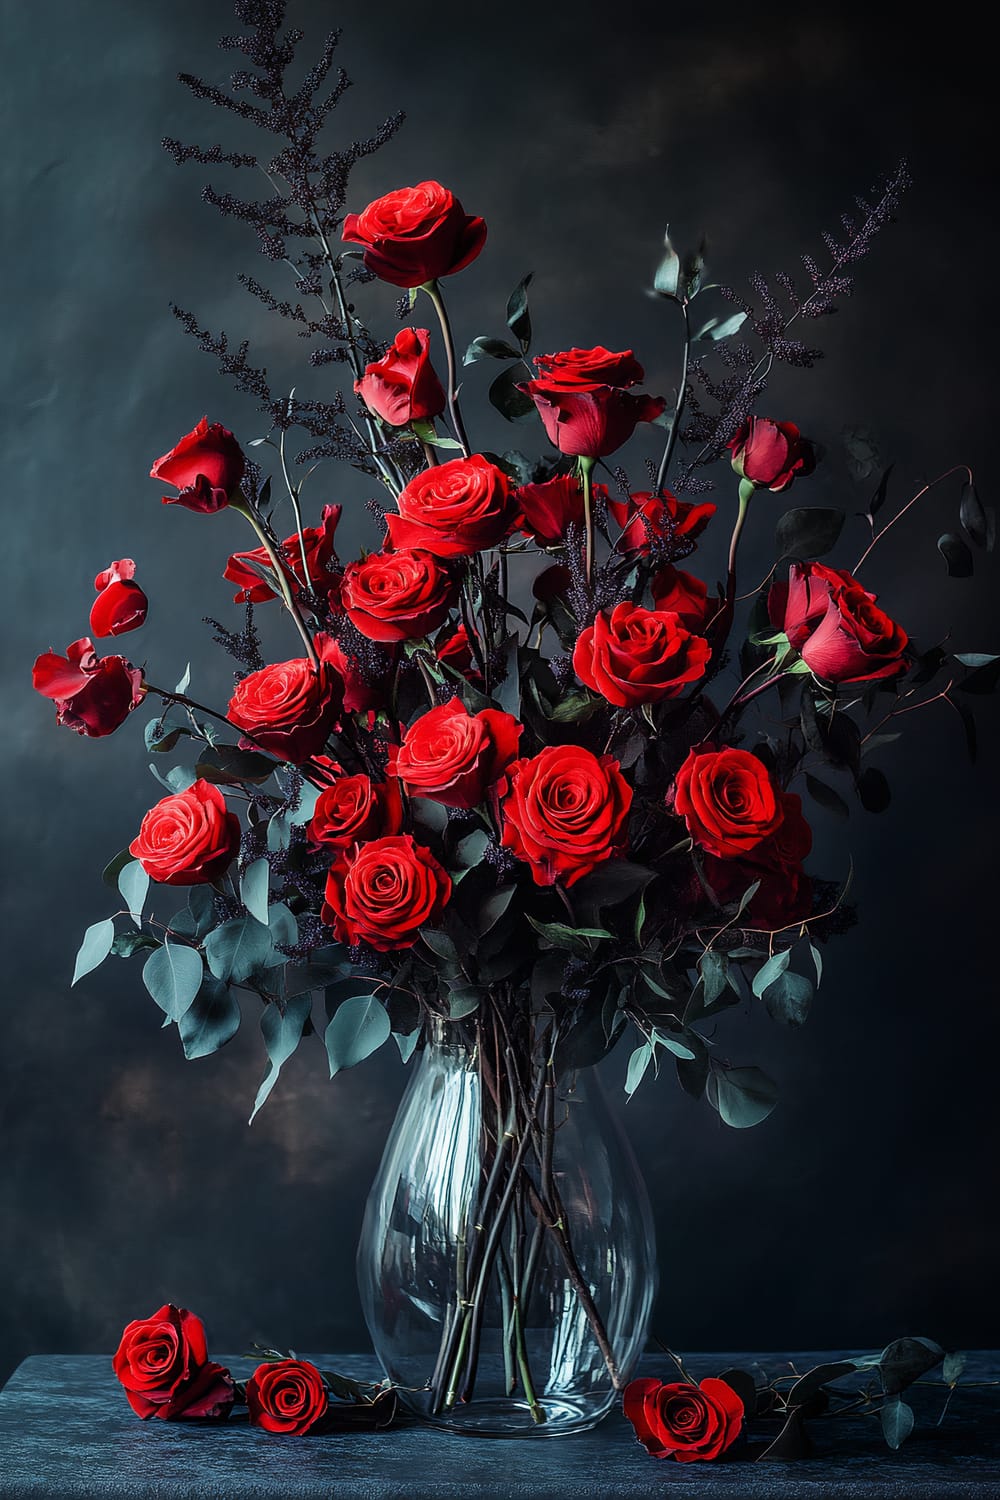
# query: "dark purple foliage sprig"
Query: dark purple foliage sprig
776,307
295,221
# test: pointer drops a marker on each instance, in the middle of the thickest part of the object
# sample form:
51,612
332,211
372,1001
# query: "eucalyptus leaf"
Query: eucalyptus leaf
873,789
308,797
279,833
788,999
185,681
133,882
826,796
721,328
807,532
487,348
238,948
493,908
94,949
505,397
229,765
956,555
770,970
115,866
127,943
406,1043
359,1027
743,1096
897,1421
637,1065
254,889
973,516
518,317
282,1034
212,1019
173,974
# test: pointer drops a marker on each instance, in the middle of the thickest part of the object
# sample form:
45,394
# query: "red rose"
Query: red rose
453,509
319,549
634,655
552,583
287,1395
649,520
576,368
416,234
189,838
163,1364
288,709
93,696
592,421
455,651
683,594
452,756
548,510
728,800
770,454
565,812
382,893
121,604
682,1420
362,691
354,809
836,626
402,386
784,893
206,467
397,596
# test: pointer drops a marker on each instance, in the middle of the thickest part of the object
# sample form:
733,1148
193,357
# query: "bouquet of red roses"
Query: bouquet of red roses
503,779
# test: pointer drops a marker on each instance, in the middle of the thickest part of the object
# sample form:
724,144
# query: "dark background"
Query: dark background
866,1206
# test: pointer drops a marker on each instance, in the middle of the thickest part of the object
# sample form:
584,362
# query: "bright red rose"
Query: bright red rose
454,757
287,1395
402,386
681,1420
189,838
728,799
632,656
771,454
575,368
565,812
836,626
382,893
361,691
287,709
354,809
397,596
206,467
682,593
649,520
93,696
590,421
453,509
416,234
121,604
320,551
163,1364
548,510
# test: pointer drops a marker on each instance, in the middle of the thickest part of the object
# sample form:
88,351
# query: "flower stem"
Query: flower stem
587,480
287,596
668,452
434,293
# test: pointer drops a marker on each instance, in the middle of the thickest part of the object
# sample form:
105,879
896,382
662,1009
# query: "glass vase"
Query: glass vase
507,1265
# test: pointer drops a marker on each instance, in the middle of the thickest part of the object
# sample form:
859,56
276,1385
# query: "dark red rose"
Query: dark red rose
565,812
320,551
364,687
591,421
121,604
93,696
206,467
402,386
728,799
453,509
454,757
547,510
771,454
383,892
682,1420
836,626
189,838
575,368
454,650
784,894
416,234
632,656
552,583
683,594
163,1364
397,596
287,1395
649,520
288,709
354,809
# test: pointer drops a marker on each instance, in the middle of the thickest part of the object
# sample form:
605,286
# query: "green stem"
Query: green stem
287,597
293,495
537,1410
587,480
668,452
434,293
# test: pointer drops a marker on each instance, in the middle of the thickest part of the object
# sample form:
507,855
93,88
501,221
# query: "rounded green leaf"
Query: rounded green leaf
359,1027
237,948
94,949
172,975
211,1021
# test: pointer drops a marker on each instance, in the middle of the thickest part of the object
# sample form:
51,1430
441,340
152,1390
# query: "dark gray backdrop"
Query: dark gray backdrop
866,1205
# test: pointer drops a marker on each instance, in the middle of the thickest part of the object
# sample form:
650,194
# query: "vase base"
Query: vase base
502,1417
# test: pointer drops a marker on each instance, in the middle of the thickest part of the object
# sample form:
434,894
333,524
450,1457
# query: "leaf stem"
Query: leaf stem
288,599
957,469
668,451
434,293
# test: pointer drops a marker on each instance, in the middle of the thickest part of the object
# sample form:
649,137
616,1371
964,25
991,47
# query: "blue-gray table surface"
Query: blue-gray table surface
66,1430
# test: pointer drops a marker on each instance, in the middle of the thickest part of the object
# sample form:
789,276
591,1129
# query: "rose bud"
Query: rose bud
454,649
416,234
581,398
287,1395
565,812
287,709
770,454
121,604
454,757
319,550
397,596
683,594
403,386
189,838
728,800
206,467
655,522
836,626
383,892
355,809
632,656
682,1420
93,696
453,509
162,1363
